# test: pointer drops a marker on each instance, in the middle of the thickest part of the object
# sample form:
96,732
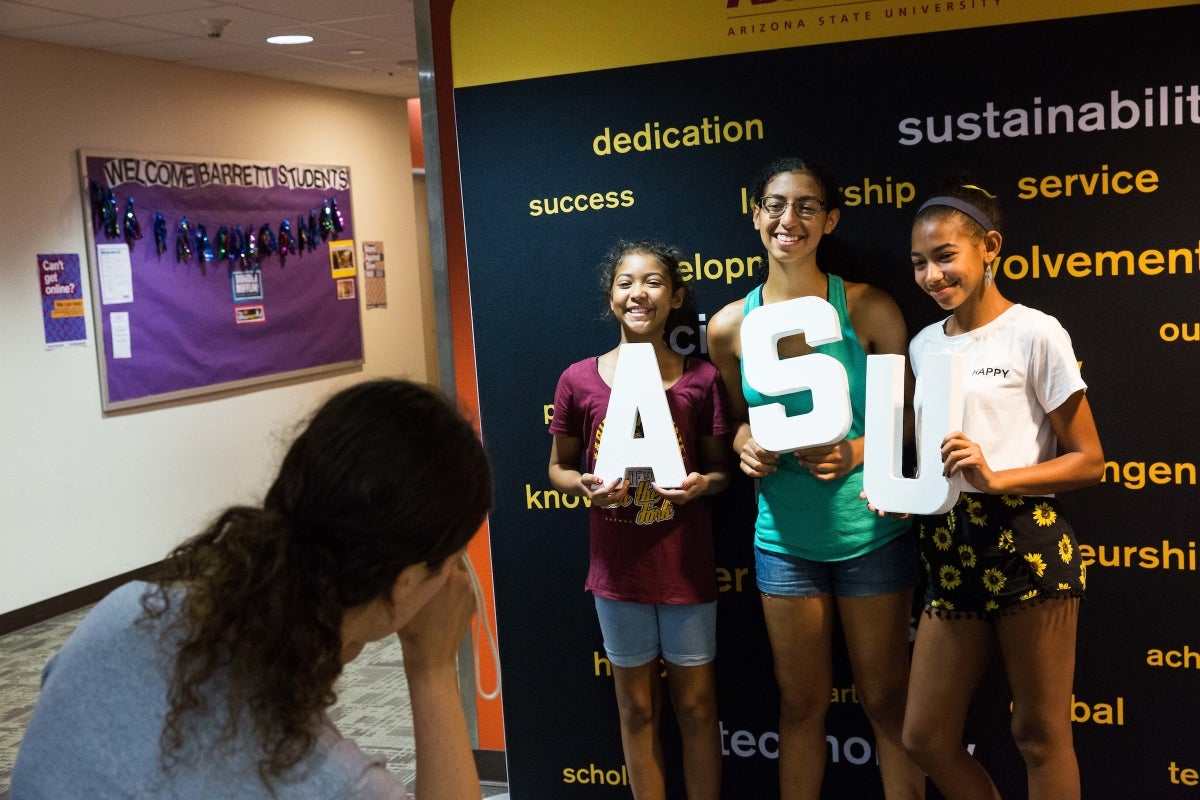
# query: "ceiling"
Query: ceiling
358,45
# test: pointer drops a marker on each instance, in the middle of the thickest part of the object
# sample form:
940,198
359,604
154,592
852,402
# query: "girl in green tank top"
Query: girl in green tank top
810,519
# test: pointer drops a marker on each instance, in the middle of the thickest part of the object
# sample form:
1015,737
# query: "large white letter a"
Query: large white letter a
637,389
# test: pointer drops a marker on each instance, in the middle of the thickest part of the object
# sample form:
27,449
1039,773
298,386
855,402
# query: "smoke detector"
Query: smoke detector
213,26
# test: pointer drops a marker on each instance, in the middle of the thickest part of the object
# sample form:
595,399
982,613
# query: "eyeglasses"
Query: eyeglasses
806,208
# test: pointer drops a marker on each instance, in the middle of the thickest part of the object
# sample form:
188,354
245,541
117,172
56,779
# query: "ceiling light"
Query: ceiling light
290,39
356,52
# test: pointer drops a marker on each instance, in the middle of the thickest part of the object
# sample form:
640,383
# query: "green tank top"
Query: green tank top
798,514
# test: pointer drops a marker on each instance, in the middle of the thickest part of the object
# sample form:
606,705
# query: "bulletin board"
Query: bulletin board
209,274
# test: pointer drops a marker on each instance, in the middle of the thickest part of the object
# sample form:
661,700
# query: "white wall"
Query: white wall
84,496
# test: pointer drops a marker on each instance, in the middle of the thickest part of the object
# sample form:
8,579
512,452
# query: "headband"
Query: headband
960,205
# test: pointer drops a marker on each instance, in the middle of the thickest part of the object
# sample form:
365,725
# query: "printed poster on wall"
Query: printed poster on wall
374,275
62,300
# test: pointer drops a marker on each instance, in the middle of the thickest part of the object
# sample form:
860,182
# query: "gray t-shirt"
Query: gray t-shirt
95,729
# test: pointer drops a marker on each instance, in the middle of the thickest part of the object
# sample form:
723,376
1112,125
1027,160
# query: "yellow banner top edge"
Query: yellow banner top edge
493,43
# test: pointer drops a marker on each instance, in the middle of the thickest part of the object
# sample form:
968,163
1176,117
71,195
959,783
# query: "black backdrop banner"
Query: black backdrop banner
1088,128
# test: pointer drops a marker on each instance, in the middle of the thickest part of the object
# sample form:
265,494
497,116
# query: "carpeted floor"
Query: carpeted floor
372,707
22,656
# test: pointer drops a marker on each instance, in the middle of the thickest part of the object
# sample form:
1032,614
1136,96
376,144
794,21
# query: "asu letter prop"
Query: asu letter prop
829,420
941,412
637,389
823,375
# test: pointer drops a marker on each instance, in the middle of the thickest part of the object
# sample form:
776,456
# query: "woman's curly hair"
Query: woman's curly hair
387,474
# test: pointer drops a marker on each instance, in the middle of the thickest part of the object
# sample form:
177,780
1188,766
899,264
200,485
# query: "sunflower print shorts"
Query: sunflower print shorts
993,553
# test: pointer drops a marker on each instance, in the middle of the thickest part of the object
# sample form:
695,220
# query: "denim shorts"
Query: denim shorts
637,633
889,568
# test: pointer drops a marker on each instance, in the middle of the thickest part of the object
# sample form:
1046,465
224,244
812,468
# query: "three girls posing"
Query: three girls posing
1002,567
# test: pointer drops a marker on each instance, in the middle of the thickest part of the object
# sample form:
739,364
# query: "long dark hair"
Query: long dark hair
385,475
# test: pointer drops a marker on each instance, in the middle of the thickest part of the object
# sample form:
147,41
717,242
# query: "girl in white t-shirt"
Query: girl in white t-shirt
1003,566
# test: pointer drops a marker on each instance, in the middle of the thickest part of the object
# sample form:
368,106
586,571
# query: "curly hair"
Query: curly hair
361,494
665,254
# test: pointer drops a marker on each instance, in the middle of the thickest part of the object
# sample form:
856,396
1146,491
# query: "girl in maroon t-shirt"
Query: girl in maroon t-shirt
652,569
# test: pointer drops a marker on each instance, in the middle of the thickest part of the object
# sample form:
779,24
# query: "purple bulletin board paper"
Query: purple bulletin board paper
183,325
61,288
